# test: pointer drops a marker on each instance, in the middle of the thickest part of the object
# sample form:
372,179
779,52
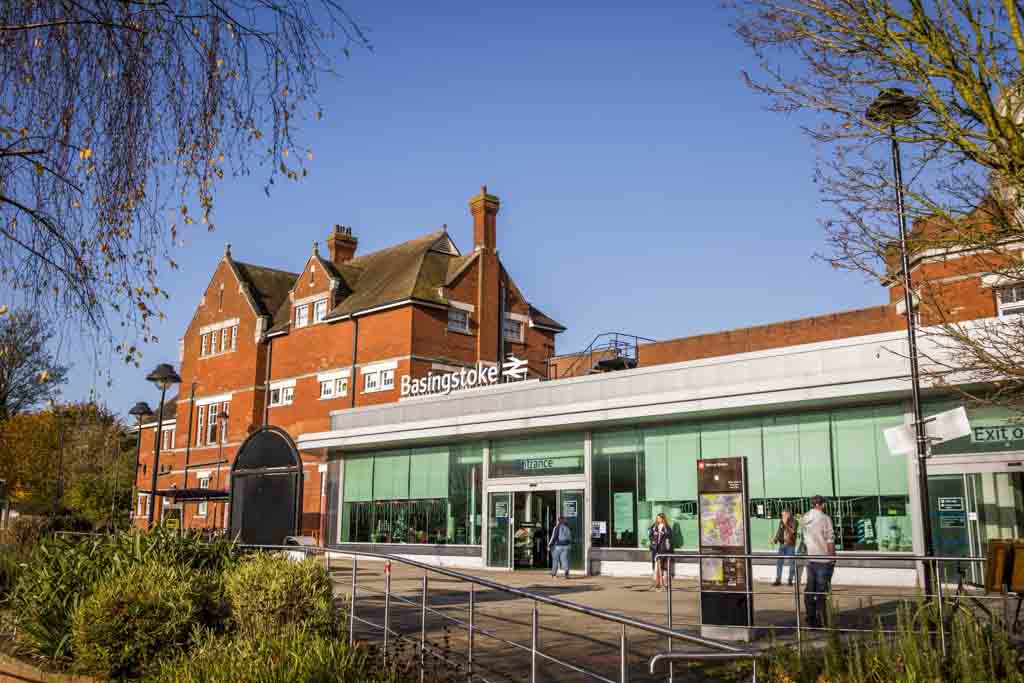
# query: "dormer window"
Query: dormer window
301,315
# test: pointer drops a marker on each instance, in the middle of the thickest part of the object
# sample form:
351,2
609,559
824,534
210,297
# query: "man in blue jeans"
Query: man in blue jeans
820,539
560,542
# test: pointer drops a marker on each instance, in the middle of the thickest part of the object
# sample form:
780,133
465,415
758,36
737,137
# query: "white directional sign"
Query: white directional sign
939,428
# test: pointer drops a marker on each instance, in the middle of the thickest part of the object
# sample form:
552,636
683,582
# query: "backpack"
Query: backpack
564,535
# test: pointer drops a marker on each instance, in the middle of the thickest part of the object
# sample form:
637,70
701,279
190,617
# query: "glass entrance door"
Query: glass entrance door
948,512
570,506
499,538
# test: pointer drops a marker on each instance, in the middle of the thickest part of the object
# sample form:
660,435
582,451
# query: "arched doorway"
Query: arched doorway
266,488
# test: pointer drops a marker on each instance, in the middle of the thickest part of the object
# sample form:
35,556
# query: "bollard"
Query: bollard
352,604
472,604
387,606
534,637
623,656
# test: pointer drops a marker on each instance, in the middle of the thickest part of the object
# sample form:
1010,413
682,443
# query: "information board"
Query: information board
726,597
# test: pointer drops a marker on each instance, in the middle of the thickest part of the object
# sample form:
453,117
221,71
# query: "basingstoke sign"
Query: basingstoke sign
466,378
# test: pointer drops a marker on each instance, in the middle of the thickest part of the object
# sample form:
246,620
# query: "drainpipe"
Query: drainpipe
266,382
501,326
188,437
355,350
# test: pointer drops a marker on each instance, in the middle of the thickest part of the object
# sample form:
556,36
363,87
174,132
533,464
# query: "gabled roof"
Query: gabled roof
269,286
416,269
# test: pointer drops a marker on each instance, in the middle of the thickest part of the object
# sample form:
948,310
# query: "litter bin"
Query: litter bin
998,564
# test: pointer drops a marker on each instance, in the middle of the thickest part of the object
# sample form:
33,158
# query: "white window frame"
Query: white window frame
167,437
213,343
327,389
319,310
211,423
223,427
234,337
371,382
200,424
282,393
204,483
458,320
142,505
387,379
224,340
519,329
1015,307
341,387
302,315
204,347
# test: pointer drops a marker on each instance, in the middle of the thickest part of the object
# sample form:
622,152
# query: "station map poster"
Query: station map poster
726,599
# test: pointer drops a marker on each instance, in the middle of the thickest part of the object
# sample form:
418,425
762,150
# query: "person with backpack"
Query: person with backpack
559,544
660,538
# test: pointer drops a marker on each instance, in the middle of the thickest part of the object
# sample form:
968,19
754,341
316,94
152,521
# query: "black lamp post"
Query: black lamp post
892,107
163,377
140,411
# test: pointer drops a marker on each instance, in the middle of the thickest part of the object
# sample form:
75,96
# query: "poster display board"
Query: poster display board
725,590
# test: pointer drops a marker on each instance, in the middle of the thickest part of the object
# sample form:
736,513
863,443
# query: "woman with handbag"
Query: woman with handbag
660,537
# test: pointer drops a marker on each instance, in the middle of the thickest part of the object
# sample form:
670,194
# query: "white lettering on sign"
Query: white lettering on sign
997,434
538,464
466,378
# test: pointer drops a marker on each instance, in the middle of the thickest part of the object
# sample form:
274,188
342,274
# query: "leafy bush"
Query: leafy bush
57,576
132,618
295,654
267,592
977,651
62,572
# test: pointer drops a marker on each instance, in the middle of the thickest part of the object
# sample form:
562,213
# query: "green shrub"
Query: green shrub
145,612
297,654
977,651
62,572
56,577
267,592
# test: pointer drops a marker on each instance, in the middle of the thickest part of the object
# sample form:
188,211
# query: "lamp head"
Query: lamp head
164,376
140,411
893,106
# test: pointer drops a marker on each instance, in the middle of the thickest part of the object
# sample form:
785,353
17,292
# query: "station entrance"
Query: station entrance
520,524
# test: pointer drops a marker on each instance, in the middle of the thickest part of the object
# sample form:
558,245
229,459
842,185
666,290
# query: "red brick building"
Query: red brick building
286,348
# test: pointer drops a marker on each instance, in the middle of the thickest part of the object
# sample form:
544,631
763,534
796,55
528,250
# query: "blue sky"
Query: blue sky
644,188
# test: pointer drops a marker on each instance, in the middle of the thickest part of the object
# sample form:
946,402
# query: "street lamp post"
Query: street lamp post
890,108
140,411
163,377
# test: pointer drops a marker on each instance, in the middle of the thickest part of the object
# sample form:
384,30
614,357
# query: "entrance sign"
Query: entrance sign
514,369
725,591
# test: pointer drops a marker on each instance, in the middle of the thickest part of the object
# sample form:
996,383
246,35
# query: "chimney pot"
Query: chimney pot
341,245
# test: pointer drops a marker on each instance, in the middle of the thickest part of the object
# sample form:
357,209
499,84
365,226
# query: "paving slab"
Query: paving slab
583,640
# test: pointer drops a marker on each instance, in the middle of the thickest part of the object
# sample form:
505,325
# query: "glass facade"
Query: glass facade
415,495
840,454
540,455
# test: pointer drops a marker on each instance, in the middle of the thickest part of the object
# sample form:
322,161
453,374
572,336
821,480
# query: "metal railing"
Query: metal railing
608,347
940,591
537,655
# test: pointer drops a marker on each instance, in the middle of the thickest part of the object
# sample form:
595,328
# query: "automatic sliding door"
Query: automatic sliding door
499,537
570,507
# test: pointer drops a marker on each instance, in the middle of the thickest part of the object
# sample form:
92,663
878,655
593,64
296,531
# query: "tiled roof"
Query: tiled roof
269,286
539,318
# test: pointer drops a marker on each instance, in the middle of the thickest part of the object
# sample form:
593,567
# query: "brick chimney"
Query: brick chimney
341,245
485,211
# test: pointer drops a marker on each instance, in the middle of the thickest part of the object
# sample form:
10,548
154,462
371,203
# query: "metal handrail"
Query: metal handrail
724,649
614,343
798,561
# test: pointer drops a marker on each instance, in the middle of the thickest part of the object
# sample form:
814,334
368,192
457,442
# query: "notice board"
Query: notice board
723,516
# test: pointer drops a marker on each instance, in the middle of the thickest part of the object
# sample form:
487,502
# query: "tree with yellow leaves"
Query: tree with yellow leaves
117,115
